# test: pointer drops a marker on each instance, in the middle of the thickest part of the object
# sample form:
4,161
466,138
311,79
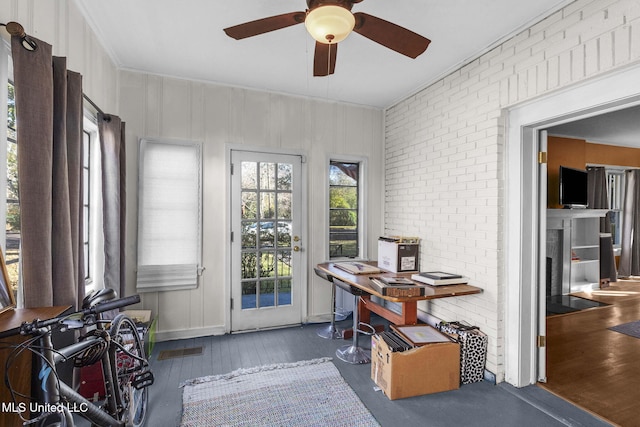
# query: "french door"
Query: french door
266,248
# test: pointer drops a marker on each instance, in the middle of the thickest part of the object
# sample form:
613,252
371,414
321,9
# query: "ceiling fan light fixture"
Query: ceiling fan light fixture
330,24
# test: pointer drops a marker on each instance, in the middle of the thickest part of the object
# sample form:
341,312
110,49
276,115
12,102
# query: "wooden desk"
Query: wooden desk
409,315
20,371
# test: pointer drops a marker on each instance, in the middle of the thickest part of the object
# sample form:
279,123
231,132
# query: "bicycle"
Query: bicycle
125,368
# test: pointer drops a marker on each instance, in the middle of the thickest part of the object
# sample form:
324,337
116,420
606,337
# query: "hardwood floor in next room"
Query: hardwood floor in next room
592,366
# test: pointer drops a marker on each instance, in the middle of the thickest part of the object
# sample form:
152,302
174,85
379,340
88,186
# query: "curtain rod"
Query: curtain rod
93,104
15,29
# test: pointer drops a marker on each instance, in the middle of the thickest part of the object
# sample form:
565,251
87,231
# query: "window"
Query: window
92,238
169,214
12,236
345,219
615,190
86,201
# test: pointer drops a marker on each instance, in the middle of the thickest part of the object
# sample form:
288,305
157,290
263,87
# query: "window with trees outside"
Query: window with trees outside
344,213
12,244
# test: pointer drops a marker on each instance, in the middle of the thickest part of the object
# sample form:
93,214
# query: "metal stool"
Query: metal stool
330,331
353,353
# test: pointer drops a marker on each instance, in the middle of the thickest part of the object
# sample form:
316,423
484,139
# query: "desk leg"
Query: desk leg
363,311
409,315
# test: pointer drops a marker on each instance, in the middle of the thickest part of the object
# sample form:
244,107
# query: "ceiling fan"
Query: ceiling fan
331,21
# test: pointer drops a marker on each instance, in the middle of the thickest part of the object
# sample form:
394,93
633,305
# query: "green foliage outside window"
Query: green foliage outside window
12,226
343,209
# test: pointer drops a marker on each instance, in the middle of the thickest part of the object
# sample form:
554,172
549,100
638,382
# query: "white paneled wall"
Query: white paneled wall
444,173
60,24
155,106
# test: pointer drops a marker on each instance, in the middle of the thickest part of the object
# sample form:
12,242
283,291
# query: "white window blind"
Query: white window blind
169,215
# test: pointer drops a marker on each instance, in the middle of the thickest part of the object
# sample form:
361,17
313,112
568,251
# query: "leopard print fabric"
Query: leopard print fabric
473,350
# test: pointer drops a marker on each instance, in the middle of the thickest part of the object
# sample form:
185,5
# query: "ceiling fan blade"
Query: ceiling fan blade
324,61
264,25
390,35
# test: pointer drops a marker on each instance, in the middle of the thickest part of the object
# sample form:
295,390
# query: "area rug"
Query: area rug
631,329
307,393
562,304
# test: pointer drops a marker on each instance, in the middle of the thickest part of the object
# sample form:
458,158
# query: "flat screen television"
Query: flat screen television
573,187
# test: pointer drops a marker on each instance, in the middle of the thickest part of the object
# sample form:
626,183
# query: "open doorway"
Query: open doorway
584,297
524,271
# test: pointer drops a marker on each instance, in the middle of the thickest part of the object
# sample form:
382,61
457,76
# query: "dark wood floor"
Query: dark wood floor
480,404
592,366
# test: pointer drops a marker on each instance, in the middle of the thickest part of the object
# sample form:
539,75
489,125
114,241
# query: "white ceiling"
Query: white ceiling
620,127
185,39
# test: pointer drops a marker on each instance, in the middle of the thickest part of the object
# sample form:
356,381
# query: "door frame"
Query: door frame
304,226
605,93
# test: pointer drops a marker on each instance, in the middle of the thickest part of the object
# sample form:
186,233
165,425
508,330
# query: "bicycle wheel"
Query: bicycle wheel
129,361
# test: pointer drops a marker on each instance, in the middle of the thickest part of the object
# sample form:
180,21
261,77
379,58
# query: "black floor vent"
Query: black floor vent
179,352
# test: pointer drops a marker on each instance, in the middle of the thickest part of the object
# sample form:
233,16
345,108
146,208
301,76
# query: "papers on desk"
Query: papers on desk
439,278
395,281
355,267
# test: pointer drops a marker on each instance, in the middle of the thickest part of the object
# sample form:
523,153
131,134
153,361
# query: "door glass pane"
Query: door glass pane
284,234
267,234
284,205
268,176
284,263
284,176
249,295
249,265
249,235
284,291
249,205
268,205
267,293
249,175
267,264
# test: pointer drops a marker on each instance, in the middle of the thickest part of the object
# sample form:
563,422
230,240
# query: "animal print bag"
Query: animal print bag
473,349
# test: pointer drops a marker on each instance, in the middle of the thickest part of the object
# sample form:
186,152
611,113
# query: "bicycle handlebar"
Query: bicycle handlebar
28,327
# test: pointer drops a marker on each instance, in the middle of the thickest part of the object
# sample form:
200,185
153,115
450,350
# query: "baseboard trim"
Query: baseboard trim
179,334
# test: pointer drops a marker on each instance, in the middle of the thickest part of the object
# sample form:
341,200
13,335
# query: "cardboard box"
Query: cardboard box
146,327
397,255
430,368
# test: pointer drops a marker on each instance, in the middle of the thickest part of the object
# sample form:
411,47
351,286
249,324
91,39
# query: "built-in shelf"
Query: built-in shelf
577,263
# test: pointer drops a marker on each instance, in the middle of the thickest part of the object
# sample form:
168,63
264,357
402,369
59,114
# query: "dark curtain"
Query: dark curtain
598,199
49,130
630,254
112,144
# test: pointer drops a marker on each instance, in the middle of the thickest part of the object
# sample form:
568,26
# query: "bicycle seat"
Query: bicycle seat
97,296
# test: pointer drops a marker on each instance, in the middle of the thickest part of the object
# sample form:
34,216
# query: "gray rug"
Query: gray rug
307,393
632,329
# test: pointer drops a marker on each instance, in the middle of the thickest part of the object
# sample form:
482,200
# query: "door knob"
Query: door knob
296,248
